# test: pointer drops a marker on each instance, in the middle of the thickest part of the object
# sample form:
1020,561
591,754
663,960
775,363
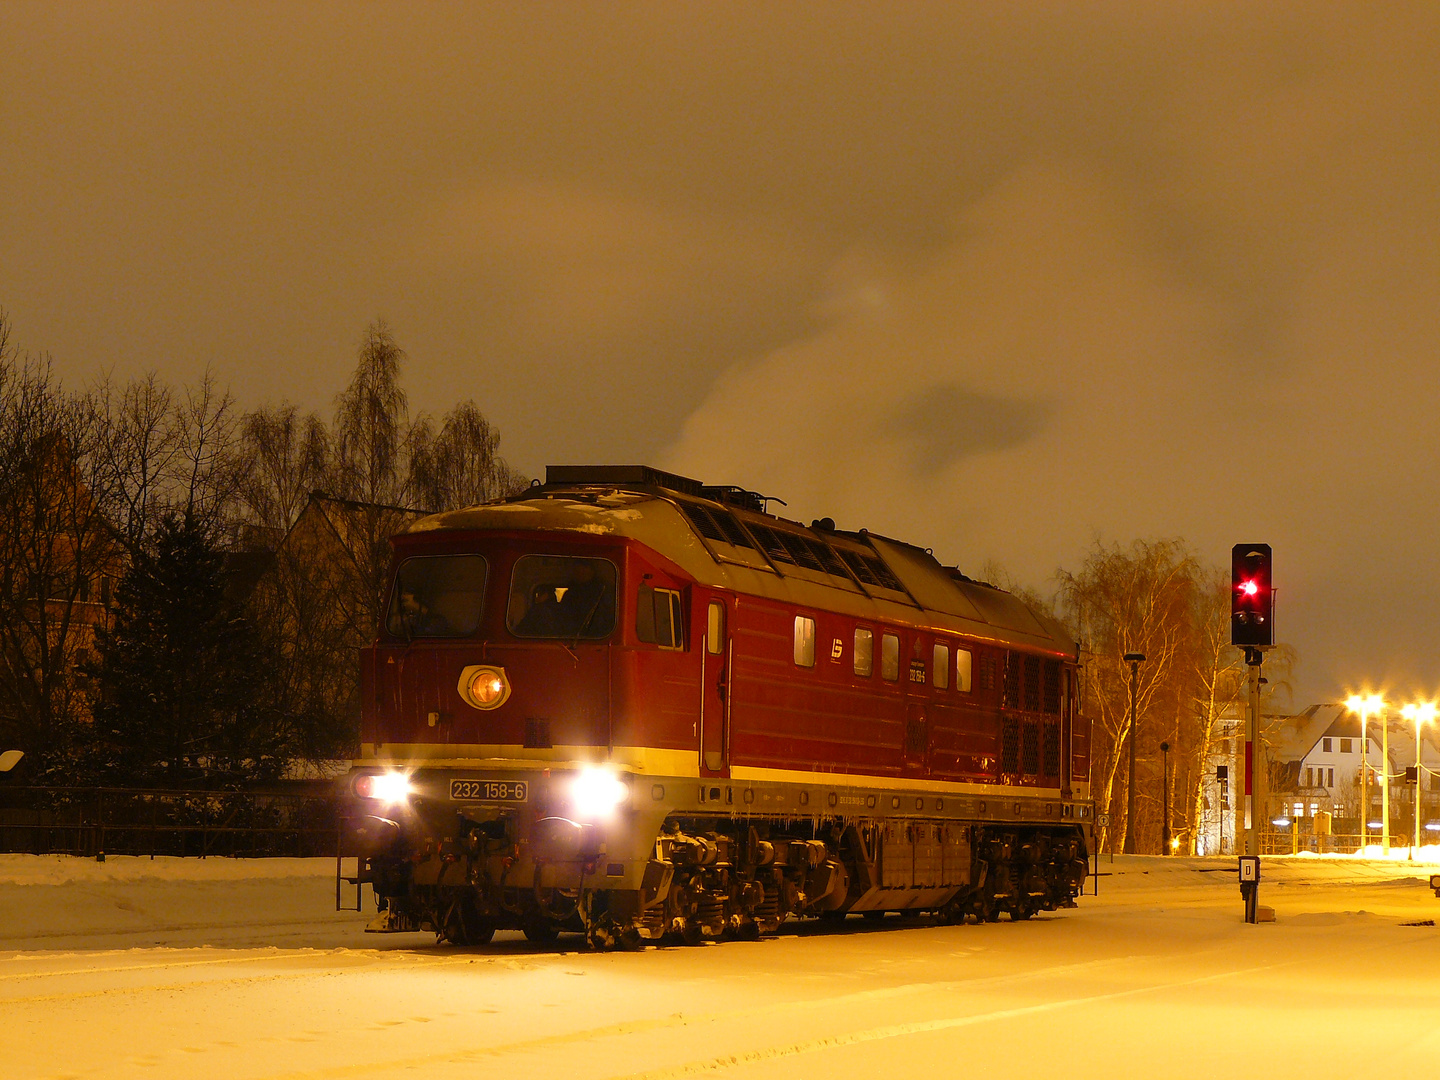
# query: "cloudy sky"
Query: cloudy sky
999,279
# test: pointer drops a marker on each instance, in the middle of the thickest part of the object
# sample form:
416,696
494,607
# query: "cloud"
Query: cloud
945,424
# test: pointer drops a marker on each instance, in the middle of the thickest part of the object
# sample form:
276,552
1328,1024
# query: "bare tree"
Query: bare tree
372,425
137,451
286,457
207,476
1134,600
461,466
57,551
159,451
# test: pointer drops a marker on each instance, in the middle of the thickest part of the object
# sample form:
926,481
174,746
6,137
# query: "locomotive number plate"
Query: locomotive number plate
490,790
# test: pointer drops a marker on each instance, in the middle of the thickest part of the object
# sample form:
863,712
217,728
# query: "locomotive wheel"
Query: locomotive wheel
691,934
540,931
465,926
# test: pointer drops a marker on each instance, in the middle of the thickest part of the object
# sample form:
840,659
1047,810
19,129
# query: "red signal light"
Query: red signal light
1252,596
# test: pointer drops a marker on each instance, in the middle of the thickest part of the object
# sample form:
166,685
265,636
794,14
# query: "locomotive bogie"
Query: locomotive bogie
697,861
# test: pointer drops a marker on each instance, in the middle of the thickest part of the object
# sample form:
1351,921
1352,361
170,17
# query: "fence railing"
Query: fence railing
125,821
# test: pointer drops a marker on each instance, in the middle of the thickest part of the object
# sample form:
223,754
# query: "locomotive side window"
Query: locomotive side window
715,629
962,670
804,641
889,657
941,666
562,596
437,596
864,651
659,619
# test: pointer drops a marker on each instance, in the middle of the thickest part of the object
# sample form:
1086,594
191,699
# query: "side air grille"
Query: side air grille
1052,687
704,524
716,525
771,544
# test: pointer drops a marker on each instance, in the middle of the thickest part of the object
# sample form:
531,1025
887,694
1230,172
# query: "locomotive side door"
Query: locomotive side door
917,727
713,637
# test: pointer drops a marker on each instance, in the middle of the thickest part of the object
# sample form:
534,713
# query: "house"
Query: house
1316,772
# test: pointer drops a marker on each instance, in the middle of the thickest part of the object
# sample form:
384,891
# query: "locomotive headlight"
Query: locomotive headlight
386,787
484,686
597,793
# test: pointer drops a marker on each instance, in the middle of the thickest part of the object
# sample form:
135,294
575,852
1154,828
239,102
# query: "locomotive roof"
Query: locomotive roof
723,537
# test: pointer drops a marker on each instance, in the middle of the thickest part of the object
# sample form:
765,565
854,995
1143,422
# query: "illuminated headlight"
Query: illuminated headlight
484,686
596,793
386,787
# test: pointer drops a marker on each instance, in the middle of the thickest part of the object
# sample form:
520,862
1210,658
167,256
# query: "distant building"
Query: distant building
1316,770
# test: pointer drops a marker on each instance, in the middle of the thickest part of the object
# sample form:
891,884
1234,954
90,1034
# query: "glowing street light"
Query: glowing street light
1419,714
1365,707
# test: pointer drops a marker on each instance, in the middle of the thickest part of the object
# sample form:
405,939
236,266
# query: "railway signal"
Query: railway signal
1252,597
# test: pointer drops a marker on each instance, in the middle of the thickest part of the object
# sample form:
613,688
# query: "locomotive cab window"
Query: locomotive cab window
941,666
437,596
562,597
889,657
715,628
804,641
962,670
659,618
864,651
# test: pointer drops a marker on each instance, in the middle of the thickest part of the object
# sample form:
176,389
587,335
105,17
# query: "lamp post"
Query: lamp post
1134,659
1419,714
1165,794
1363,707
1384,780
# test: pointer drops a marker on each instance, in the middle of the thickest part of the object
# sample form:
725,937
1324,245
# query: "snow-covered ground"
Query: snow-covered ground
230,970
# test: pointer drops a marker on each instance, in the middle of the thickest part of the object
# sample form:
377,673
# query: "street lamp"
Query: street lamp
1364,707
9,759
1165,794
1134,659
1419,714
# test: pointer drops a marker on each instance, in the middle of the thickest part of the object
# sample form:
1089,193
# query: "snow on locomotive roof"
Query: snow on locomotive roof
723,537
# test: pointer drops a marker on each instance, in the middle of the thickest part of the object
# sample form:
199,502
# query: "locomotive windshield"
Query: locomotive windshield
437,596
562,596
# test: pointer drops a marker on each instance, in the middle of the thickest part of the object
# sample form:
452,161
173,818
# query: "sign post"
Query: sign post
1250,884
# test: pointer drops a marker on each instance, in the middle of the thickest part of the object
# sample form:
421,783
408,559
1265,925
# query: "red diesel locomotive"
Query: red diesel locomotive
630,705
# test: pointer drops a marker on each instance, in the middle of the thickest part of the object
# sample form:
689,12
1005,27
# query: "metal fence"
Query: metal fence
125,821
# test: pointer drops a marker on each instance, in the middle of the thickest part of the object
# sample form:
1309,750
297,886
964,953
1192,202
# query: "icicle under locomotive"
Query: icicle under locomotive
630,705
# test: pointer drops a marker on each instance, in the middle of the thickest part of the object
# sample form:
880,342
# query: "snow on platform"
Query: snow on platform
234,969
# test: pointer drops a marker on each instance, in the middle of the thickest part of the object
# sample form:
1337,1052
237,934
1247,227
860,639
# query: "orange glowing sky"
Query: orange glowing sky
995,278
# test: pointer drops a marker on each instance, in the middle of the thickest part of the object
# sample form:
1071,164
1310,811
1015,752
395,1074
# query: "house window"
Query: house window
962,670
804,641
942,666
658,619
1345,746
889,657
1325,745
1299,810
1309,777
1331,781
864,651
